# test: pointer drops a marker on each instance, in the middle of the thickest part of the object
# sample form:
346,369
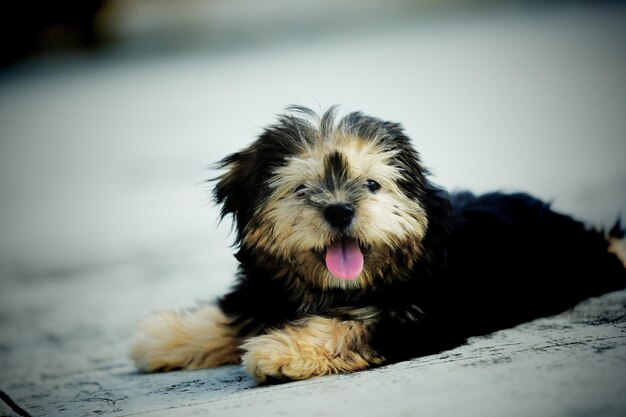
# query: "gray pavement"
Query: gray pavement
105,215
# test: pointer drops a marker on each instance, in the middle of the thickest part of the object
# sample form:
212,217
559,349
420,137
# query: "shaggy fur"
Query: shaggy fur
437,268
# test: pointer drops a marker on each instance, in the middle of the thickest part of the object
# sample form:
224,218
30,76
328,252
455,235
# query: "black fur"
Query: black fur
508,259
489,262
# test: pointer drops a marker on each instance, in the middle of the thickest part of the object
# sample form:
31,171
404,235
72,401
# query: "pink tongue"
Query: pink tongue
344,259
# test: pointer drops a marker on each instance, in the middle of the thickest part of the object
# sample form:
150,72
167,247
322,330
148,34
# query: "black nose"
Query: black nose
339,215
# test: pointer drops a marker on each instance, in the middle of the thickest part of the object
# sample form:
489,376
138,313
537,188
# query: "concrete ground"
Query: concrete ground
105,215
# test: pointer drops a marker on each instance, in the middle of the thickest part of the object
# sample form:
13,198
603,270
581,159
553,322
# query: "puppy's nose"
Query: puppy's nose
339,215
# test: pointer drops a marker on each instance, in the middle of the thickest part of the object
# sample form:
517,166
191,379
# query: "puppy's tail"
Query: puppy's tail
617,243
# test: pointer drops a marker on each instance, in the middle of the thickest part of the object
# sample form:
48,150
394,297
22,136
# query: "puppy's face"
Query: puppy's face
333,204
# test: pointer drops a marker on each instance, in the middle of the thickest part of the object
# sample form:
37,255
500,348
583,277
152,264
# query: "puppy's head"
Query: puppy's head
331,203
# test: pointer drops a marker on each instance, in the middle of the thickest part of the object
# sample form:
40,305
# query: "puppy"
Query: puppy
350,258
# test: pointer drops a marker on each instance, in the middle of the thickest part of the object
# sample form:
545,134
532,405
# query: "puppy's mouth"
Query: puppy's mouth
344,258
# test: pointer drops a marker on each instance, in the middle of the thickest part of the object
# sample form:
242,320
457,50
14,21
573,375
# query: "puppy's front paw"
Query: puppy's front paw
314,347
277,357
158,345
193,340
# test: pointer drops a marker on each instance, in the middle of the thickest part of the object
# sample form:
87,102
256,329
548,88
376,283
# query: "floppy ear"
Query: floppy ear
235,188
417,185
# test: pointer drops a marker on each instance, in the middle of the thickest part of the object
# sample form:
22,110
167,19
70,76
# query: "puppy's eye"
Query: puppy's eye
299,191
372,185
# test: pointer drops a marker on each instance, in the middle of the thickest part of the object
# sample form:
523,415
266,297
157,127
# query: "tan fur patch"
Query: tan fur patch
618,248
191,340
312,347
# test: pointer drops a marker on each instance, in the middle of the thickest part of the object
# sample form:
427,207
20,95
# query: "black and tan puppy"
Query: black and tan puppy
351,258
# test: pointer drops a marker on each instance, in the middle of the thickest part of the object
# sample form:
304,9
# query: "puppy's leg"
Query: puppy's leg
311,347
618,248
196,339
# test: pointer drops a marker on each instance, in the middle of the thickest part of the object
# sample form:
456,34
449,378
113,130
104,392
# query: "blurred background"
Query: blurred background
112,112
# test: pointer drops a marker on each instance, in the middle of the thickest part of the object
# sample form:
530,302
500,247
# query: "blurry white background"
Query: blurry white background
106,139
